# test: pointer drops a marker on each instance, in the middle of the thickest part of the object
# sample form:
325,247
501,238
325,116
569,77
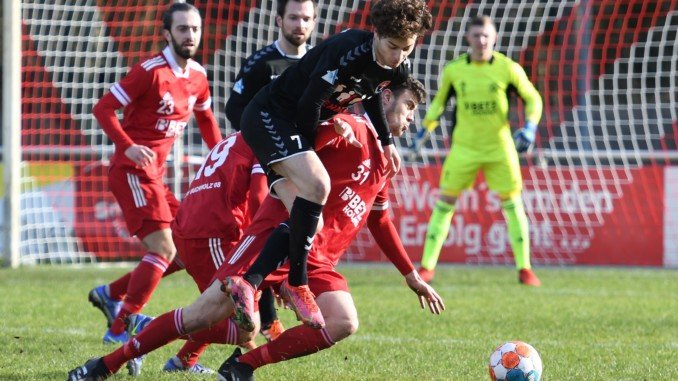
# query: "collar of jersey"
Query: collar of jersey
167,53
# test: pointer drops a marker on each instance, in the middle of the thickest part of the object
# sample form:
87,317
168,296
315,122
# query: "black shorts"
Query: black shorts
272,138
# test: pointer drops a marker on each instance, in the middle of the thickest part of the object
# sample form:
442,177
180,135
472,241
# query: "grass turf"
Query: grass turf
587,324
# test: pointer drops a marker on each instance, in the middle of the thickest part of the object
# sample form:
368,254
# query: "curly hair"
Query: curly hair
412,84
401,18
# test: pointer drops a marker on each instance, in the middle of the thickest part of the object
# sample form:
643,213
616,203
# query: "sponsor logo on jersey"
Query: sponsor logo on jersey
170,127
239,87
355,207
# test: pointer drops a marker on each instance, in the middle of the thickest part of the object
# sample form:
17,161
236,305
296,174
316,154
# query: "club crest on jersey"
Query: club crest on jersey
331,76
239,87
382,86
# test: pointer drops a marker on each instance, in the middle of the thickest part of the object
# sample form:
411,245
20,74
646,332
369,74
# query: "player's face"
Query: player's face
298,22
482,40
391,51
185,34
400,112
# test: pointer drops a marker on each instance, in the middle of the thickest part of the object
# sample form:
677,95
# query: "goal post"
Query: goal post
11,131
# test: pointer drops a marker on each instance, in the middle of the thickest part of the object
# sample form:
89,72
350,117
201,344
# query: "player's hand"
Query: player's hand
142,156
524,137
344,129
430,124
417,142
393,158
426,293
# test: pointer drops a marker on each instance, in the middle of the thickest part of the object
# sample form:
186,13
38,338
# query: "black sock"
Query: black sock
274,253
267,308
304,218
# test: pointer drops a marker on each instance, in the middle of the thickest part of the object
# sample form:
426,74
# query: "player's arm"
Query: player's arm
309,105
207,123
122,93
525,136
437,107
251,78
385,234
529,94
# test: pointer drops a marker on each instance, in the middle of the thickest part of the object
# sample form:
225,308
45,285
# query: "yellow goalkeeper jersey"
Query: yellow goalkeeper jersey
481,112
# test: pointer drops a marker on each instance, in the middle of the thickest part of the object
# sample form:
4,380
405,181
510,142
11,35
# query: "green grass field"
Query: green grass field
587,324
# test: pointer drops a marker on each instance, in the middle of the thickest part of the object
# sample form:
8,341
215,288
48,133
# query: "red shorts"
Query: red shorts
320,279
146,202
202,257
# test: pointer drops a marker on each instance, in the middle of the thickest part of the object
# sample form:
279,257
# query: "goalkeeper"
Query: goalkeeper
481,141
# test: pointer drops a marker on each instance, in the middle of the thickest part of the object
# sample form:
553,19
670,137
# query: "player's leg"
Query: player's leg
458,173
341,320
281,148
109,297
504,178
201,258
271,327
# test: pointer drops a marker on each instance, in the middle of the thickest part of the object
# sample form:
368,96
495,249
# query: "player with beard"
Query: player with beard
296,20
158,95
280,124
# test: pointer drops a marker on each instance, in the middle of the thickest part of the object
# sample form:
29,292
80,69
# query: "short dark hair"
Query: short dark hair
176,7
401,18
480,20
282,4
417,88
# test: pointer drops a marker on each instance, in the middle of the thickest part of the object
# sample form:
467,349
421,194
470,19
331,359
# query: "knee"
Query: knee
165,249
317,189
342,328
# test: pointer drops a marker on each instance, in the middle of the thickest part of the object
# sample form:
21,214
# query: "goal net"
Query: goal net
597,177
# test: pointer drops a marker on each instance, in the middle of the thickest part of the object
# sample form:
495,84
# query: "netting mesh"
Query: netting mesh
606,70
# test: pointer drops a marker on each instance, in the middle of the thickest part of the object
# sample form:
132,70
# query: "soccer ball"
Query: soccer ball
515,361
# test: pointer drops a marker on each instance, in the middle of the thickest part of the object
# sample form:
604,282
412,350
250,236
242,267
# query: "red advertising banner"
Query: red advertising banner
577,216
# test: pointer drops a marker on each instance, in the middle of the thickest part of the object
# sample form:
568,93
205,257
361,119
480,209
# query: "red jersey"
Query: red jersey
216,204
159,98
358,179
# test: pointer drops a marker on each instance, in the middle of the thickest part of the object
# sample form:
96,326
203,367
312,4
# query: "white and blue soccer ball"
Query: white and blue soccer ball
515,361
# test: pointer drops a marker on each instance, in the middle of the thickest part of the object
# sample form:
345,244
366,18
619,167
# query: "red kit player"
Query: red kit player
158,95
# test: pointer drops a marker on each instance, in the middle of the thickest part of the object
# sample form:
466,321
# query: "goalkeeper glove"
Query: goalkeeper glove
524,137
429,125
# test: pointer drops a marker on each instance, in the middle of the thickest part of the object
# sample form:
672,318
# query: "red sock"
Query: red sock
118,288
162,330
190,352
143,281
294,342
226,332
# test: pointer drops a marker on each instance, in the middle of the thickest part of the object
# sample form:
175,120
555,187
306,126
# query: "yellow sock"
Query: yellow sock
518,231
438,228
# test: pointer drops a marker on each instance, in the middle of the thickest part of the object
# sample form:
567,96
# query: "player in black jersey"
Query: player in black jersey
296,20
280,121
